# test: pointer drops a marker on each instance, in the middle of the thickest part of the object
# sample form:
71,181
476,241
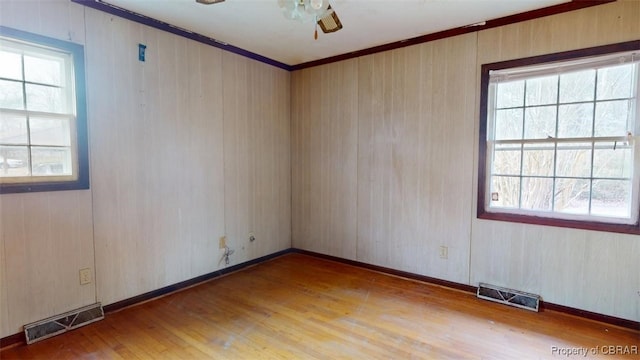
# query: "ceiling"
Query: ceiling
260,27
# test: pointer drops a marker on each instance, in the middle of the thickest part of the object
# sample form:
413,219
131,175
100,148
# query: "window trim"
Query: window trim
482,213
77,56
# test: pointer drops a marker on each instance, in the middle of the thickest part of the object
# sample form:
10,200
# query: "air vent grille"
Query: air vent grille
59,324
511,297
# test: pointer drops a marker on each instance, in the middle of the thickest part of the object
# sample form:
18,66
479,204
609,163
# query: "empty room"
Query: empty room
313,179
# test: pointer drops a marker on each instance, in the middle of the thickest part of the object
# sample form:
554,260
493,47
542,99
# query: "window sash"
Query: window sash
68,111
524,73
73,146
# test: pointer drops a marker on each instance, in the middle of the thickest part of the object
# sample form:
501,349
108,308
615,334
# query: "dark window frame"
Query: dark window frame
77,54
482,213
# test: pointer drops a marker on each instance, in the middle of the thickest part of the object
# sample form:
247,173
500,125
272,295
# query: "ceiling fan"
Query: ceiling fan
318,10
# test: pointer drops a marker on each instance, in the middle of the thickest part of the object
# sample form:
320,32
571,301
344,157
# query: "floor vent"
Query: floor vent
508,296
59,324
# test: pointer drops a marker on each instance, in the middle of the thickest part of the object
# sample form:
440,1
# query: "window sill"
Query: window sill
574,224
8,188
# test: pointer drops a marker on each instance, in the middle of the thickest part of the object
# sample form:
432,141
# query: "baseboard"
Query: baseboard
12,340
625,323
19,338
612,320
188,283
390,271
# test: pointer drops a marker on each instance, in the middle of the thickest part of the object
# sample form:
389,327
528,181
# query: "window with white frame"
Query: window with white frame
560,139
42,126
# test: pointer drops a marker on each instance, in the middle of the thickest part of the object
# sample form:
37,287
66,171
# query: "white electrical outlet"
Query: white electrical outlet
85,276
444,252
223,242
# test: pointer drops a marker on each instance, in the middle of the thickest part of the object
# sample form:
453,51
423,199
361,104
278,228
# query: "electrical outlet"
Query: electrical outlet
444,252
223,242
252,237
85,276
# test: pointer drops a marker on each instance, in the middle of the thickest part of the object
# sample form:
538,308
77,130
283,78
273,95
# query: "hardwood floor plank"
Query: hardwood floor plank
303,307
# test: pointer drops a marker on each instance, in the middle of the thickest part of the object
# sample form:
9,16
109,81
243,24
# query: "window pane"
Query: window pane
577,86
559,141
10,65
13,129
572,196
11,95
42,125
506,190
508,124
542,91
612,117
51,161
615,82
510,94
45,71
537,159
50,132
573,160
45,98
506,160
14,161
575,120
540,122
610,163
537,193
611,198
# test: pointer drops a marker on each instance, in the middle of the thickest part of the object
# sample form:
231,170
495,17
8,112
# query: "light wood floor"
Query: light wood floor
302,307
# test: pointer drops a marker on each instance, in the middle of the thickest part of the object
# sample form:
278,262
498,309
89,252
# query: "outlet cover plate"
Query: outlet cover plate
85,276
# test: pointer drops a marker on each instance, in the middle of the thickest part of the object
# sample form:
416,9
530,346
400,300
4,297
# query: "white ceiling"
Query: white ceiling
260,27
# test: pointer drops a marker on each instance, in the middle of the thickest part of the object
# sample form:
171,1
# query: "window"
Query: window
43,144
558,139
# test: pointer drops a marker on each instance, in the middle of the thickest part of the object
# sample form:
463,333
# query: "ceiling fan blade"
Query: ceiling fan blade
209,2
330,22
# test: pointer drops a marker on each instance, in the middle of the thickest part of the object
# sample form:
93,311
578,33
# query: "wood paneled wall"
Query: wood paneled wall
379,156
157,156
589,270
4,298
191,145
415,116
324,115
45,238
202,151
257,152
417,166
